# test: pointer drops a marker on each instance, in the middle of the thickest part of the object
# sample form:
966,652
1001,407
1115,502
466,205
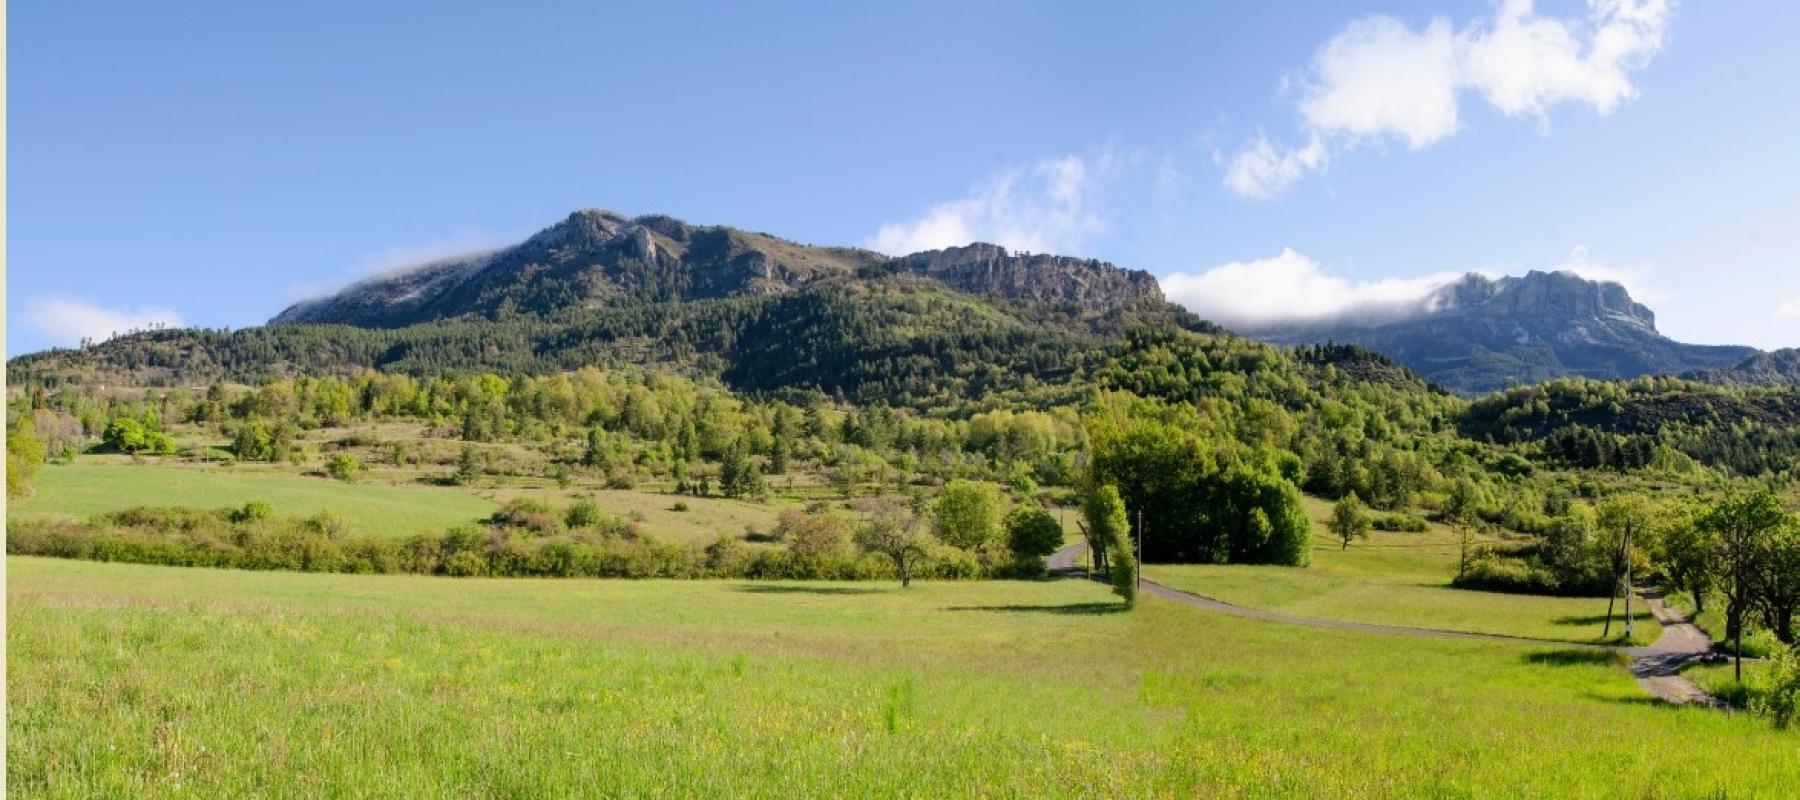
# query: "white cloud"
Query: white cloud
1635,279
1290,287
1378,77
398,259
1053,205
1262,171
404,257
1380,80
66,320
1789,308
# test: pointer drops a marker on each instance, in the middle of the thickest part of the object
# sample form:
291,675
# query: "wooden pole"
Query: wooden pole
1614,595
1628,580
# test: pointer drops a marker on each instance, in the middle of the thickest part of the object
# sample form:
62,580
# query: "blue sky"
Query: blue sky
211,162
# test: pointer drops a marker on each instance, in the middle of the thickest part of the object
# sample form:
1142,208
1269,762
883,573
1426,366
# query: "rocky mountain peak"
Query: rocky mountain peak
598,258
989,268
1559,294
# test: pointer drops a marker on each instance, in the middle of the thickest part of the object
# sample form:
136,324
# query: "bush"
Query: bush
1778,693
1124,574
465,564
584,514
343,466
679,506
1491,572
253,511
1399,523
236,538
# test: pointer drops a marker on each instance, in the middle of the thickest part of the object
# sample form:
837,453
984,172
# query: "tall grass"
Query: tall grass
149,681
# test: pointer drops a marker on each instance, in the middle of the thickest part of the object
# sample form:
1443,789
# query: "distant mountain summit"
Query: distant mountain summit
1479,334
1775,368
596,259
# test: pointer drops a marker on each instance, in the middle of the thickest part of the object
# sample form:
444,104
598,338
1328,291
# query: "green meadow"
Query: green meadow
81,490
149,681
1398,579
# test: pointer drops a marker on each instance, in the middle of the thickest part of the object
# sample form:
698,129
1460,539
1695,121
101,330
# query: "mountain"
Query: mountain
766,314
1479,335
1776,368
763,314
597,259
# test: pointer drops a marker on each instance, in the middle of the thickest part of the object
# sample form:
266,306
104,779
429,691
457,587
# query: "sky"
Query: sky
208,163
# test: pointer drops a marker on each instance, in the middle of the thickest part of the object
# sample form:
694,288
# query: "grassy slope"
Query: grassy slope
1396,579
78,490
147,680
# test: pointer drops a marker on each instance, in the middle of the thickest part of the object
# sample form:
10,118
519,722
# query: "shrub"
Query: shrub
1778,693
253,511
679,506
328,525
1399,523
466,564
343,466
1124,574
584,514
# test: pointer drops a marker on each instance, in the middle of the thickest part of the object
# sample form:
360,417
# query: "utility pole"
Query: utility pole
1614,595
1628,579
1140,558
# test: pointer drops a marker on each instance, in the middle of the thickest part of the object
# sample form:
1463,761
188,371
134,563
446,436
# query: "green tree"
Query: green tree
1123,570
1032,534
1104,522
970,514
1777,578
1741,523
595,453
25,454
468,466
1350,520
738,473
781,444
1685,553
126,435
897,534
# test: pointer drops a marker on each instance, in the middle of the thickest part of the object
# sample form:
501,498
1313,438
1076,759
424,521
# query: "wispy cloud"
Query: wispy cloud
66,320
392,260
1053,205
1635,278
1380,80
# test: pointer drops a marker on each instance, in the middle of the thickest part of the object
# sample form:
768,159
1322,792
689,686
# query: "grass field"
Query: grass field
132,681
1396,579
703,521
79,490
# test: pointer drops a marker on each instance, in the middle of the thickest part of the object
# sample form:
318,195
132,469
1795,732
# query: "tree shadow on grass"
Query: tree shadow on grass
1071,608
774,588
1573,657
1600,619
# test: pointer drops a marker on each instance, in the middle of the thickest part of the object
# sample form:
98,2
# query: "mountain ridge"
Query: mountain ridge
1477,334
596,258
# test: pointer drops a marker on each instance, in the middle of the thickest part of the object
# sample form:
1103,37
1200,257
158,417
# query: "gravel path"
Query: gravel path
1656,666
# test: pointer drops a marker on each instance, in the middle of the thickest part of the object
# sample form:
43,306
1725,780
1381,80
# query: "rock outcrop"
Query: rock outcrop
598,258
1480,334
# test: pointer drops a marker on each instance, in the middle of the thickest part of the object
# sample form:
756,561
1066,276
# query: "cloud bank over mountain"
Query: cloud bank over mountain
1292,289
